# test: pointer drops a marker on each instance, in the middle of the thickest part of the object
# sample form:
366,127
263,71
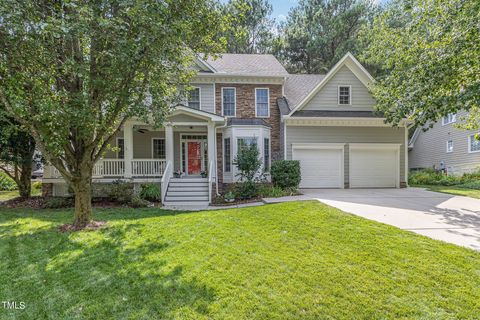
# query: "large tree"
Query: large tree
17,148
430,53
72,72
318,33
250,26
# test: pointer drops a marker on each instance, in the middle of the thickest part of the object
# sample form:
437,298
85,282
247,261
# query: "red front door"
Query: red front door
194,157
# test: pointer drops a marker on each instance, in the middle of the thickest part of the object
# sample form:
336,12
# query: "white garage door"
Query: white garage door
320,168
374,167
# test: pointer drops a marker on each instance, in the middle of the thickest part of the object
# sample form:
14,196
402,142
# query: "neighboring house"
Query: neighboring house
445,147
325,121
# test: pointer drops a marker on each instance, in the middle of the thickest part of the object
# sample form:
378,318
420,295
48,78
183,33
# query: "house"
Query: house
325,121
445,147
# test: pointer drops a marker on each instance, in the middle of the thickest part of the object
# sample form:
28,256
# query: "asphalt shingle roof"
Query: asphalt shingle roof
298,86
248,64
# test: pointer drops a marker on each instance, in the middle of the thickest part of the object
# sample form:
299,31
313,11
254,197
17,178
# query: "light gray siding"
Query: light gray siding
142,144
430,149
207,96
317,134
327,97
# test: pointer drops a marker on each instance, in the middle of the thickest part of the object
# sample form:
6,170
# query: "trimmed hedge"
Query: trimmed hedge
286,174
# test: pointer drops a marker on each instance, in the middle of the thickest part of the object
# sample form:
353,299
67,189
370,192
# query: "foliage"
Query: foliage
58,202
7,183
268,191
286,174
81,69
245,190
432,177
150,192
119,191
317,34
229,196
37,185
475,184
250,26
138,202
248,162
267,262
430,53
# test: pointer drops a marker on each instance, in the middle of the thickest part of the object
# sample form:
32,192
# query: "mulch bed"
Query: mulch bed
31,203
220,202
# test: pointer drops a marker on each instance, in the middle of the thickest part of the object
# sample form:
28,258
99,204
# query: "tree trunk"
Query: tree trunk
82,187
25,181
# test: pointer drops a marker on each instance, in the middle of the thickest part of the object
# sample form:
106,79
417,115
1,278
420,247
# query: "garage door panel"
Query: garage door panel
373,168
320,168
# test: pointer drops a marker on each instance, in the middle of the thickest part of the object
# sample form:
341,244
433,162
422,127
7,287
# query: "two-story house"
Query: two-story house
445,147
325,121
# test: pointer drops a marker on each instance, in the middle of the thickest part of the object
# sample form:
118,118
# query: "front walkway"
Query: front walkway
450,218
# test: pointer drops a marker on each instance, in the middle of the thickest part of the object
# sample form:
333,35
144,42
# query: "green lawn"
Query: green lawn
283,261
7,195
472,193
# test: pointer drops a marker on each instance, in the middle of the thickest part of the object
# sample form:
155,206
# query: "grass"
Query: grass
283,261
472,193
7,195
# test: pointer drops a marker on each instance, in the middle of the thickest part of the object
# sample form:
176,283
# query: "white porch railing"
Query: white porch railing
166,180
148,167
116,168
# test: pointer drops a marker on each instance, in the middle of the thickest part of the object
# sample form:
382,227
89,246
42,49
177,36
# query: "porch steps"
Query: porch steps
187,192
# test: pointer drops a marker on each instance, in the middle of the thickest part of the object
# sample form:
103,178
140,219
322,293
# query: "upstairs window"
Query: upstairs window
228,102
473,144
344,95
449,118
120,148
194,98
449,146
158,148
261,103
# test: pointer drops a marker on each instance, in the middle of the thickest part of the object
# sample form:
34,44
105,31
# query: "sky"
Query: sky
281,8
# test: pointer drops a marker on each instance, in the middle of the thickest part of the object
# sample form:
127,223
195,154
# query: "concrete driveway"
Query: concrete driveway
453,219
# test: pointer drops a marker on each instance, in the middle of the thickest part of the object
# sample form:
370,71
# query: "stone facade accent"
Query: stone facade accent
245,109
47,189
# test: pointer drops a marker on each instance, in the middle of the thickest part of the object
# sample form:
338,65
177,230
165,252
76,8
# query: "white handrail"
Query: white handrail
211,176
167,173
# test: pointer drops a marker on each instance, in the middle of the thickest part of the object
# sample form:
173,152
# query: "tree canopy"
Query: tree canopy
430,53
72,72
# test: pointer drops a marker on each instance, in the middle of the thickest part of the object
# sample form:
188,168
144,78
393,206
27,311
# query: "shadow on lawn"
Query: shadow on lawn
112,273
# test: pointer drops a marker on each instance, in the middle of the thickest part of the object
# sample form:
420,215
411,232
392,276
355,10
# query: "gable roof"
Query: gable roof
298,86
248,64
351,63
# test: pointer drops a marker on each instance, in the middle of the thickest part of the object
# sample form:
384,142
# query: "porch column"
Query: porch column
128,145
169,143
211,147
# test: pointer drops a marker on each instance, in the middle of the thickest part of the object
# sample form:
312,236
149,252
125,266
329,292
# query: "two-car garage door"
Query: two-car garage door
369,166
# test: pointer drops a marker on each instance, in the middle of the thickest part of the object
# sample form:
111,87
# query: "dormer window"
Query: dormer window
194,98
449,118
344,94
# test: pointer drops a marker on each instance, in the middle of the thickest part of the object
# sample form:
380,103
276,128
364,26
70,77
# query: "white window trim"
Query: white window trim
234,101
156,138
350,95
118,149
454,119
268,103
199,98
470,144
449,151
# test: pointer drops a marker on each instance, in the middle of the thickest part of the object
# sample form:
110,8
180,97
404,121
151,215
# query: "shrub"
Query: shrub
58,202
432,177
268,191
37,185
245,190
137,202
150,192
286,174
7,183
248,162
471,185
119,191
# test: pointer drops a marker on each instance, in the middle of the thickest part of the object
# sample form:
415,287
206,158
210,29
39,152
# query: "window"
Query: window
266,154
344,95
261,103
228,102
227,154
194,98
473,144
243,143
449,118
158,148
449,146
120,148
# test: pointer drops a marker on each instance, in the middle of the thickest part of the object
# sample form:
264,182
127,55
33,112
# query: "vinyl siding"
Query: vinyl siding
430,148
327,97
207,96
313,134
142,144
